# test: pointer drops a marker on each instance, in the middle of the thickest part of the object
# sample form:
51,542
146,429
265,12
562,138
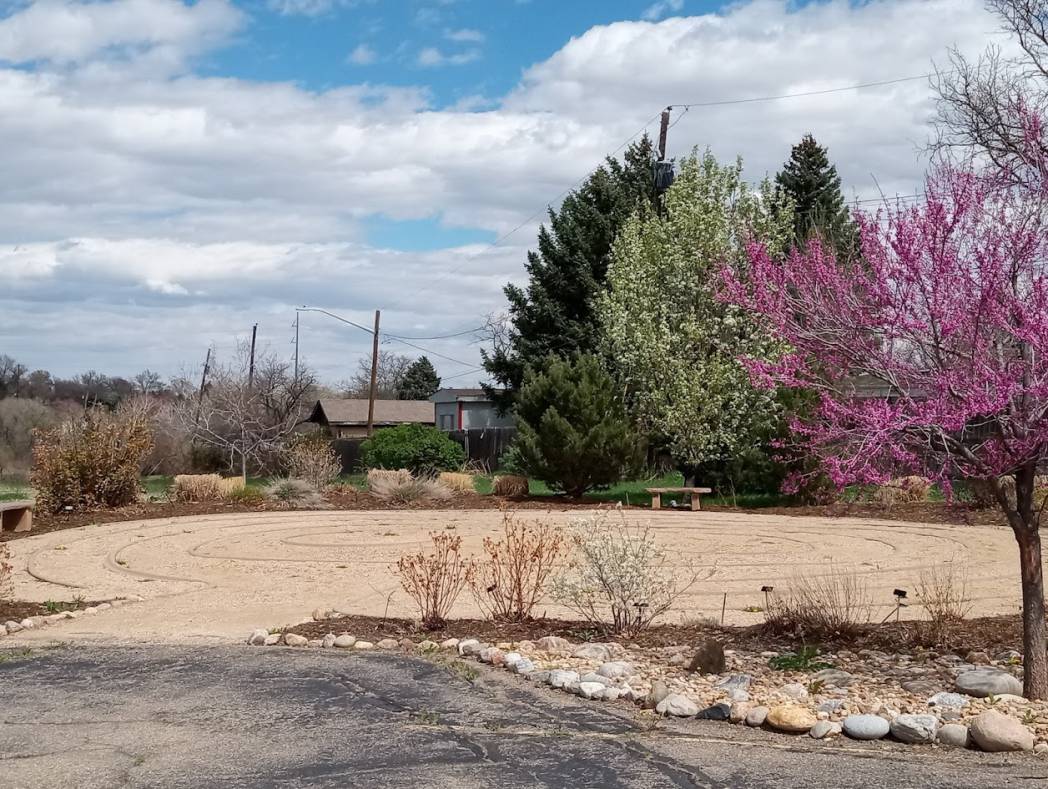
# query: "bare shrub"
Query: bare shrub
196,487
435,580
380,475
943,592
457,481
511,580
296,494
836,604
91,460
19,417
904,490
618,578
311,458
510,485
406,491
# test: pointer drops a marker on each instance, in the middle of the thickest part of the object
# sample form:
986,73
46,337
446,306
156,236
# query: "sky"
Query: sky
175,172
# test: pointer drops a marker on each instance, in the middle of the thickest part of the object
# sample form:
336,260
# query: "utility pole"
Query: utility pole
203,382
297,316
374,375
664,130
251,364
663,168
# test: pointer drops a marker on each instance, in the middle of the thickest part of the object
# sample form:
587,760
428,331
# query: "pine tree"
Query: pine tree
811,181
420,381
573,432
554,315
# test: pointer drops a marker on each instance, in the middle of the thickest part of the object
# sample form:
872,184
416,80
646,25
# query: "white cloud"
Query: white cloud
465,35
432,57
662,8
363,55
143,202
313,7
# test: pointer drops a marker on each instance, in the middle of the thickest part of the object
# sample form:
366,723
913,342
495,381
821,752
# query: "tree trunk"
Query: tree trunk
243,467
1035,633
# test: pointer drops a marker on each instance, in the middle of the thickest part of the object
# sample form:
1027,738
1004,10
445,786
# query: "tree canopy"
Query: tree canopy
554,314
419,382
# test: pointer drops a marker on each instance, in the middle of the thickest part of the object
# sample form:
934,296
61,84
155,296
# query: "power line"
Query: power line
754,99
439,336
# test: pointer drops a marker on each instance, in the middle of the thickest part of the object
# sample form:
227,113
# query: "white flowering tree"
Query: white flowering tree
674,345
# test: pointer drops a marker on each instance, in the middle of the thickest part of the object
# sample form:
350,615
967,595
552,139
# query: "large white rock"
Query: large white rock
866,727
295,640
257,637
915,729
995,732
677,705
344,641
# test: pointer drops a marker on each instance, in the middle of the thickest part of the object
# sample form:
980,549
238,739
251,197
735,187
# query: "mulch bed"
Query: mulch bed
18,610
985,633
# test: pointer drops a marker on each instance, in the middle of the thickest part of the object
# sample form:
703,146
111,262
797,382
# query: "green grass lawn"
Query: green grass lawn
158,485
12,490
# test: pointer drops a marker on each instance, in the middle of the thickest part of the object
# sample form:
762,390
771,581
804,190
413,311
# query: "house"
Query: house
349,418
467,409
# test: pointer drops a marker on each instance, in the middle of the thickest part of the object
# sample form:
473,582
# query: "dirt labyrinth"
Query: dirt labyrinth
214,578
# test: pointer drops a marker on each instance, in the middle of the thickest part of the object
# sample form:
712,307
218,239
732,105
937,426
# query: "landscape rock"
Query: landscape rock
591,690
344,641
591,676
824,730
560,678
795,691
388,643
915,729
677,705
523,666
738,712
996,732
708,658
866,727
833,678
716,712
658,692
273,639
553,644
921,687
257,637
757,716
490,655
510,659
295,640
28,623
983,682
734,682
790,718
12,626
468,646
328,641
954,701
592,652
449,643
363,645
954,734
616,668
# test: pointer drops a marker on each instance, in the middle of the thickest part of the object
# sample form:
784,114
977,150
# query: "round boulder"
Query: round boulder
954,734
677,705
996,732
915,729
790,718
983,682
866,727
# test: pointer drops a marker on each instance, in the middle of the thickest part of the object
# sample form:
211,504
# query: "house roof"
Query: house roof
454,395
387,412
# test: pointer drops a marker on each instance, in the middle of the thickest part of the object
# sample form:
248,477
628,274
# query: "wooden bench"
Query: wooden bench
694,494
16,515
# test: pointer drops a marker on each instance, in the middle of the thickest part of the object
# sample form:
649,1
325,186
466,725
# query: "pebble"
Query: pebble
757,716
790,718
344,641
866,727
954,734
996,732
983,682
824,730
915,729
677,705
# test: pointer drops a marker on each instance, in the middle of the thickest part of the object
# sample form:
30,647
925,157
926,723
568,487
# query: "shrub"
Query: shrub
422,450
943,592
296,494
399,490
91,460
457,481
377,476
905,490
311,458
205,487
616,566
836,604
435,580
511,580
510,485
573,430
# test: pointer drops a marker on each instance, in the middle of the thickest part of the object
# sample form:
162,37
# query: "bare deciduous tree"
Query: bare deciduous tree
391,369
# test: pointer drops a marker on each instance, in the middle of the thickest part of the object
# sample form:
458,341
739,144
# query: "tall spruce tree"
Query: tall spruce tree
553,316
419,382
811,181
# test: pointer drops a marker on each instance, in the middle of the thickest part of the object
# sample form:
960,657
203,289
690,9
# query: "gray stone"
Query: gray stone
510,659
560,678
833,678
328,641
866,727
553,644
522,666
716,712
591,676
915,729
830,705
708,658
257,638
953,701
734,682
795,691
955,734
28,623
344,641
273,639
921,687
363,645
677,705
591,690
983,682
388,643
824,730
611,694
615,669
295,640
468,646
449,643
592,652
12,626
757,716
658,692
996,732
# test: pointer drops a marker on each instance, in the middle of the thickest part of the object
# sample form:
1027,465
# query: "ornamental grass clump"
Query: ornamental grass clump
311,458
511,578
435,580
618,578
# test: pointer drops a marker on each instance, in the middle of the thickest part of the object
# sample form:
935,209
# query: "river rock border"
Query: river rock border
47,620
604,672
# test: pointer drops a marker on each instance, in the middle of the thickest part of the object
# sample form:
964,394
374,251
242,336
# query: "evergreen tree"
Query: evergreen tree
419,382
812,183
554,314
573,432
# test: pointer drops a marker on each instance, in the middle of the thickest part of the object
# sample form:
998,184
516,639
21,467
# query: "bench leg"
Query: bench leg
696,502
656,501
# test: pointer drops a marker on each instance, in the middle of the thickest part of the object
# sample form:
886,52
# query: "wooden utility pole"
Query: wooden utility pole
203,382
664,130
251,364
374,375
297,316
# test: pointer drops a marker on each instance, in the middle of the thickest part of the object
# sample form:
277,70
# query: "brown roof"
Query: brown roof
387,412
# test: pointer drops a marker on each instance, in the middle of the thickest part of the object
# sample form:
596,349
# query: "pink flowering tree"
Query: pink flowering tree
929,355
